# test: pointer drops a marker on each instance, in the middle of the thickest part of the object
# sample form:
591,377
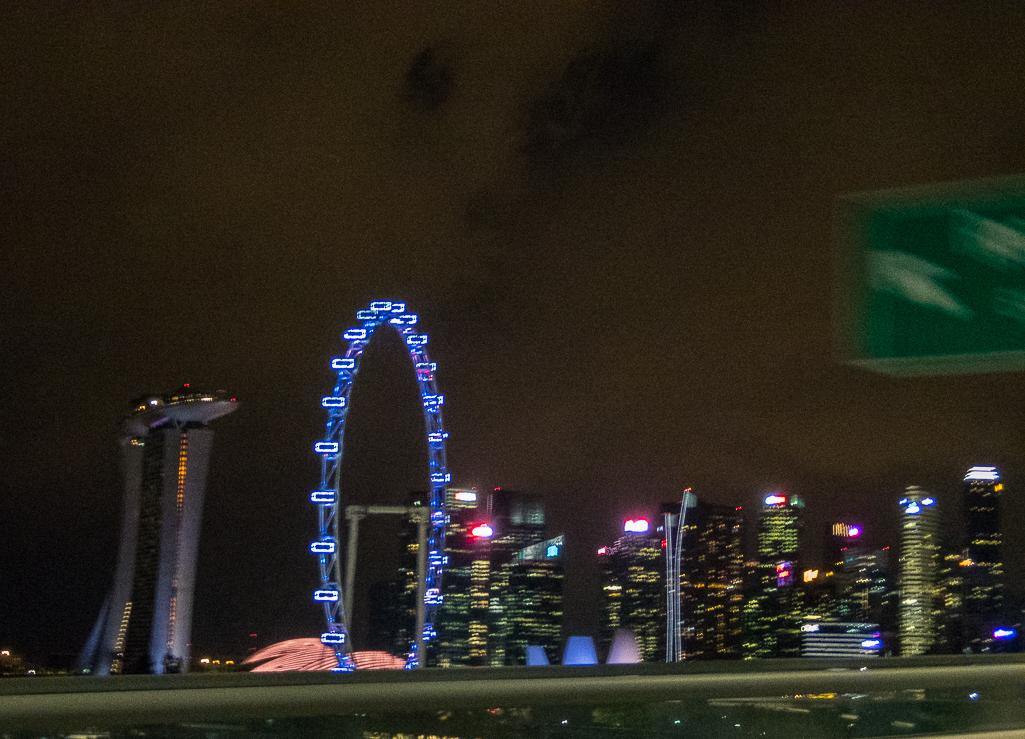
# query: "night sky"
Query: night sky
615,220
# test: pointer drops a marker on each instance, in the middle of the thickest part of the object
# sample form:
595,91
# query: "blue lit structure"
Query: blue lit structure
328,497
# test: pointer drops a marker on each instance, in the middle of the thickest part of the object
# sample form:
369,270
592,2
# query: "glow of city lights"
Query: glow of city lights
332,401
810,575
853,532
871,644
332,637
355,333
775,499
343,363
912,509
326,595
928,501
809,628
326,546
483,531
664,543
326,447
636,526
602,550
1002,634
322,496
552,551
982,473
466,496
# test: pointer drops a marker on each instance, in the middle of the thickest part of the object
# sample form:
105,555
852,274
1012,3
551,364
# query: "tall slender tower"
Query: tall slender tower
772,614
985,574
918,571
146,623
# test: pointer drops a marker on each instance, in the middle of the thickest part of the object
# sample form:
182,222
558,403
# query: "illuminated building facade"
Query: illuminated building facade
633,588
984,574
772,612
713,560
838,639
146,622
527,603
918,571
459,618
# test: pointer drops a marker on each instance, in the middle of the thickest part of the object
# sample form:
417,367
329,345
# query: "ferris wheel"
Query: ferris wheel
328,497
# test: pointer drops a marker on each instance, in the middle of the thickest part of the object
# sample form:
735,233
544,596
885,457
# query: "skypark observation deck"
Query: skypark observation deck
784,699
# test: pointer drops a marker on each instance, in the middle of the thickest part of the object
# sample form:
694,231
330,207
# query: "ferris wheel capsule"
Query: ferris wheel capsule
327,545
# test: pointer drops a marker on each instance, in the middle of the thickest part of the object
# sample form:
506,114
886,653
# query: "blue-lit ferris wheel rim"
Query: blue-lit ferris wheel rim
331,448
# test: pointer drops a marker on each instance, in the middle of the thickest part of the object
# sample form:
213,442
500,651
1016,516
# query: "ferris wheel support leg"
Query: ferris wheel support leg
350,566
421,586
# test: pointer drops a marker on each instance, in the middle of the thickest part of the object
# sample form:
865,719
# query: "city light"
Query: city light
853,532
775,499
326,447
912,509
322,496
810,575
332,637
355,334
871,644
982,473
1003,634
602,550
809,628
466,496
636,526
483,531
928,501
332,401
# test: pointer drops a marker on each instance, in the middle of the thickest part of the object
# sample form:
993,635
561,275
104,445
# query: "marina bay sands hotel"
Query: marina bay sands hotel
146,620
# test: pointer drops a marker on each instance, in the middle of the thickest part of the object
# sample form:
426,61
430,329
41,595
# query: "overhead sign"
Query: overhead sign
933,278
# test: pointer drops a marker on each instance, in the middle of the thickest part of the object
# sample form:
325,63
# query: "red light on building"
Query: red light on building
483,531
602,550
663,543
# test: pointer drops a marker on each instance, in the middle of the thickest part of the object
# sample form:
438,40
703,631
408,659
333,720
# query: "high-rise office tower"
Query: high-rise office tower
842,542
466,547
984,575
489,546
633,587
526,603
918,570
772,614
146,621
713,560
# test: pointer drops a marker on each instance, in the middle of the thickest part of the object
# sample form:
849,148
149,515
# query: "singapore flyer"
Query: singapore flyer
329,498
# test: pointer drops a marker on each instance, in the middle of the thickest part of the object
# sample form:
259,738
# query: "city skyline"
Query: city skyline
615,221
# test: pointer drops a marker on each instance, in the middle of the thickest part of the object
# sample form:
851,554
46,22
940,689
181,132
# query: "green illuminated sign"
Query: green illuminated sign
933,278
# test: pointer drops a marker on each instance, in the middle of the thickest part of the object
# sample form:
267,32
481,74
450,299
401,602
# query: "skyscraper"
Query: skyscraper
465,552
146,621
633,588
772,612
712,570
984,573
918,571
526,603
